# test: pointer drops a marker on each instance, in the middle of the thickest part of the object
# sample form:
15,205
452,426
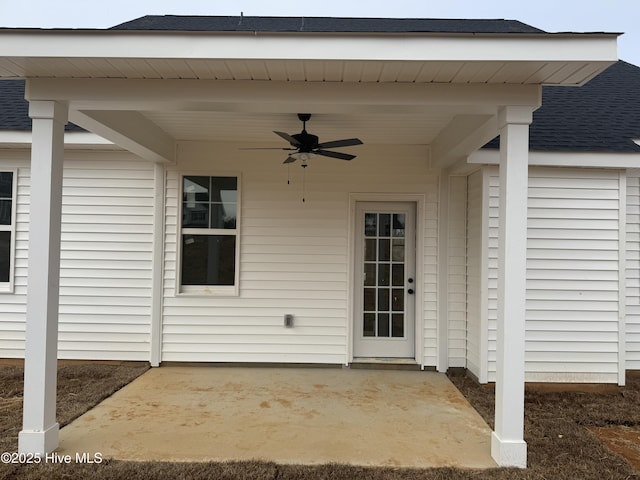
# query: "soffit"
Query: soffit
569,59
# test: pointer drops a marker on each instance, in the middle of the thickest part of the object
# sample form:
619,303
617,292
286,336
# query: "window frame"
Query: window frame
8,287
208,290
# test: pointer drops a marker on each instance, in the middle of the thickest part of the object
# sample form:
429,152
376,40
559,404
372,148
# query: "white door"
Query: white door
385,280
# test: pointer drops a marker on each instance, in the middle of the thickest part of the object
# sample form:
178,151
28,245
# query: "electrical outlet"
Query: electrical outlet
288,320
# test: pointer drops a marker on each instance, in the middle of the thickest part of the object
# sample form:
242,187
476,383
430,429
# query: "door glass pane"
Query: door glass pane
397,303
384,229
397,252
370,250
383,324
370,274
397,278
208,259
398,224
370,299
383,299
369,329
383,275
370,224
397,325
384,250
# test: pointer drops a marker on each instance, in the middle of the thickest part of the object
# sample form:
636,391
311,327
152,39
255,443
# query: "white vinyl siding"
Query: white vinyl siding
572,275
633,271
473,276
105,266
294,256
457,272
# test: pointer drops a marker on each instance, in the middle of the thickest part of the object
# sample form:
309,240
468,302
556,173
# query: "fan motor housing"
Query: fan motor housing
307,141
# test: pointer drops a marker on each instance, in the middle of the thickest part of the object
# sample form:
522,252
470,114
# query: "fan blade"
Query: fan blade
341,143
266,148
340,155
289,160
288,138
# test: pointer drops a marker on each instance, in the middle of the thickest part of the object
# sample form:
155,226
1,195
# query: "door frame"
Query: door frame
419,201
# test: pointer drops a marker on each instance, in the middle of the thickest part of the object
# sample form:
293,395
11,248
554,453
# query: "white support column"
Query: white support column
508,447
40,430
157,271
443,271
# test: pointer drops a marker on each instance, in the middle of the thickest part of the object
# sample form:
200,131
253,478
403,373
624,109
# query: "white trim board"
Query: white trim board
563,159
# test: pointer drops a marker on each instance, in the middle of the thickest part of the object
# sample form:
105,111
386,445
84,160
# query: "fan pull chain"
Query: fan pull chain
304,181
288,174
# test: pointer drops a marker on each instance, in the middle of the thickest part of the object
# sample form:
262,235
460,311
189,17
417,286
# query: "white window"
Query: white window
209,235
7,229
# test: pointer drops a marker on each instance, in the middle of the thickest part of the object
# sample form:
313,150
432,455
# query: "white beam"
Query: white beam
273,97
40,429
131,131
508,447
462,136
564,159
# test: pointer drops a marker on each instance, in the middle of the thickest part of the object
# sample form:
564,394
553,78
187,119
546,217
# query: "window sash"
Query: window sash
8,285
222,289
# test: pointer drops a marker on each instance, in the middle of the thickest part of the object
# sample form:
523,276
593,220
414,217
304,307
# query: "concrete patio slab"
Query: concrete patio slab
286,415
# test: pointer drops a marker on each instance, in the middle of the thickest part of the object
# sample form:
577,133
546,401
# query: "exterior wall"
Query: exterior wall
573,269
105,284
456,272
475,320
294,256
633,271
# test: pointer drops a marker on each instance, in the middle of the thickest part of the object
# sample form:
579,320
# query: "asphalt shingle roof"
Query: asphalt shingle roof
601,116
323,24
14,109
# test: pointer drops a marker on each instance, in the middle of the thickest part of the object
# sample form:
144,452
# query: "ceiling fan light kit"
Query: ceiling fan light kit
306,145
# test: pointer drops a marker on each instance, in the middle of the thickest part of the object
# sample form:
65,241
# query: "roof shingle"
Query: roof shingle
601,116
324,24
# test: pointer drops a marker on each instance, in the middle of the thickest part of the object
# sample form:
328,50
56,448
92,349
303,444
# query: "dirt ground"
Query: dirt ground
562,430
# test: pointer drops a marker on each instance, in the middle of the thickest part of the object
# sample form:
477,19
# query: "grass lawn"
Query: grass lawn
558,429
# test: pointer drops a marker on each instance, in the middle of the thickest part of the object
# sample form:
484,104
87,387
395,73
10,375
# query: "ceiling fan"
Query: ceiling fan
305,144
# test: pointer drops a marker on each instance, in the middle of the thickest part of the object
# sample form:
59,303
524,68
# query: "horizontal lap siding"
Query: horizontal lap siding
105,265
457,269
293,256
633,271
474,272
572,275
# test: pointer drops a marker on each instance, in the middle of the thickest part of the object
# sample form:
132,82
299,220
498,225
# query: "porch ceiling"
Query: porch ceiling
257,128
147,90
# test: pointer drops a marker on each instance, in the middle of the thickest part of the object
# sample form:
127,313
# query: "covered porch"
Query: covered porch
410,419
439,96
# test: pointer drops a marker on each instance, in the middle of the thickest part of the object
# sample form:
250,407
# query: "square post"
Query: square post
40,430
508,447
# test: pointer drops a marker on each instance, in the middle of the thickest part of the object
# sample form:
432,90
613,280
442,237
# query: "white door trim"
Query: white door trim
419,200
